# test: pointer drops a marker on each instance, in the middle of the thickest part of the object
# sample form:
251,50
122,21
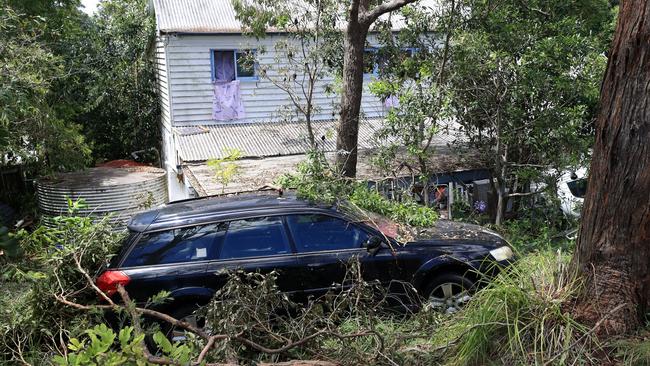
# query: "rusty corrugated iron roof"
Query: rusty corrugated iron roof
196,16
262,139
219,16
273,139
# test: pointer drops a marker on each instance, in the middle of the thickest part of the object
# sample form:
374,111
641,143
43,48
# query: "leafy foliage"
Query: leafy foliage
226,168
526,79
123,111
8,244
315,181
31,129
38,321
412,75
74,87
104,347
99,351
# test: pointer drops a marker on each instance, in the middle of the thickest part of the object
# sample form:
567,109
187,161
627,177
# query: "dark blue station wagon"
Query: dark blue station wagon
188,248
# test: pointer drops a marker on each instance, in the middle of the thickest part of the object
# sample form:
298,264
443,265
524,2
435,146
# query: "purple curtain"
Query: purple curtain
391,102
226,102
224,66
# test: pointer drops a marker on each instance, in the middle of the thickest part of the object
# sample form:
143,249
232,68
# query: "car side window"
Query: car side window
312,233
255,237
187,244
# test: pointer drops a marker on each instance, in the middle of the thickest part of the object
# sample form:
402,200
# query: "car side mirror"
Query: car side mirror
374,244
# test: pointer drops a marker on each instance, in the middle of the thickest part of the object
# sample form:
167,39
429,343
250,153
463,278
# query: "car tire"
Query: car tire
448,293
180,311
185,313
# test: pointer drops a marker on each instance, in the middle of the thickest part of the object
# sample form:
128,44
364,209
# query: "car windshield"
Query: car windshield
578,187
385,225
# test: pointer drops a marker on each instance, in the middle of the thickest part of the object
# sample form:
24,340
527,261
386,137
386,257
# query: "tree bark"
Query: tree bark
613,248
348,133
362,14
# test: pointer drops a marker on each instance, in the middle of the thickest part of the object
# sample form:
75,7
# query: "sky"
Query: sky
89,6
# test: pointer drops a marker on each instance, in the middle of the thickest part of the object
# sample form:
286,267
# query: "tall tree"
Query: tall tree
123,110
613,249
526,78
361,15
33,130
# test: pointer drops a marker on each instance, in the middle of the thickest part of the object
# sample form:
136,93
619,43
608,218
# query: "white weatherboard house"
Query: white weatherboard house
212,99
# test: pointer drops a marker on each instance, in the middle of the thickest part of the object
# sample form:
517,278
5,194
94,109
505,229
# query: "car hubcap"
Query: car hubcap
448,298
180,334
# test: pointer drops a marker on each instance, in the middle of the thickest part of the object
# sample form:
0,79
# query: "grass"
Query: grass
634,351
520,319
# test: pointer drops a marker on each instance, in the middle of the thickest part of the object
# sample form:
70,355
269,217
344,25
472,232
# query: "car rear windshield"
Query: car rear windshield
126,244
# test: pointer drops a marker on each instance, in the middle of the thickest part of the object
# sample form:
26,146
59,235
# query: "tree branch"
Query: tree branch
369,17
523,194
135,313
354,11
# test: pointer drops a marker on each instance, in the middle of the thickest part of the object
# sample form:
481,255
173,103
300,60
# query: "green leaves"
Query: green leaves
177,351
226,168
314,181
8,244
526,77
162,342
99,348
31,129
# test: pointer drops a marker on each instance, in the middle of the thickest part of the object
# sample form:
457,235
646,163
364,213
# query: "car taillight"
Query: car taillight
109,280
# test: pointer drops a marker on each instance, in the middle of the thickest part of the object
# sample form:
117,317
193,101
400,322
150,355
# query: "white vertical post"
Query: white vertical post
450,198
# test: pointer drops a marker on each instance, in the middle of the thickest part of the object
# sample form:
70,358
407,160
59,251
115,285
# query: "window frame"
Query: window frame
234,51
283,225
250,215
359,226
136,239
375,65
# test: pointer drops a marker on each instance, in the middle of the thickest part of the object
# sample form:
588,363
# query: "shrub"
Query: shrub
33,322
530,235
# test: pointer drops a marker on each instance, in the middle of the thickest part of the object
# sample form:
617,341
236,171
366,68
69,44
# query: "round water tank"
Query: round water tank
120,192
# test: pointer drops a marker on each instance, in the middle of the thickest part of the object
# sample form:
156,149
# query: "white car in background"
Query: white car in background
571,189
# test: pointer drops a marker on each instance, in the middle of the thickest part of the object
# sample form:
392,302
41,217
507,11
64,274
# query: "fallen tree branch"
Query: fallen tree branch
136,312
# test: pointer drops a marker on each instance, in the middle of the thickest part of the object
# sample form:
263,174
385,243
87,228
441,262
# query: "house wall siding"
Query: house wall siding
176,187
189,85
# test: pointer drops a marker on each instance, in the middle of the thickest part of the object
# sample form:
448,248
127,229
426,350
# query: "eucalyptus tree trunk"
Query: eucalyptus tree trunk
613,248
347,140
361,15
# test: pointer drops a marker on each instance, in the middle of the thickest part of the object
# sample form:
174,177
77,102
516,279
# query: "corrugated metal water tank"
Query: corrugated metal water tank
120,192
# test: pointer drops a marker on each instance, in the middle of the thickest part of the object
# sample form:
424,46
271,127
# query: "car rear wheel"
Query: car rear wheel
449,293
188,314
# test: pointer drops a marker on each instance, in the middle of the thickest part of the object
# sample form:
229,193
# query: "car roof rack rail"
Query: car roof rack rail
264,188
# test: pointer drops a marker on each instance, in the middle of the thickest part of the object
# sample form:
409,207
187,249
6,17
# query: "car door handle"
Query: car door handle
313,264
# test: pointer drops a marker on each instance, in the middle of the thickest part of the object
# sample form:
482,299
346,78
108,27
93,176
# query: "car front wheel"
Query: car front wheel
448,293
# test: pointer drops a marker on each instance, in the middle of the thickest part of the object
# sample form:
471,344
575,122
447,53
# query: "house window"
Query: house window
245,61
229,65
